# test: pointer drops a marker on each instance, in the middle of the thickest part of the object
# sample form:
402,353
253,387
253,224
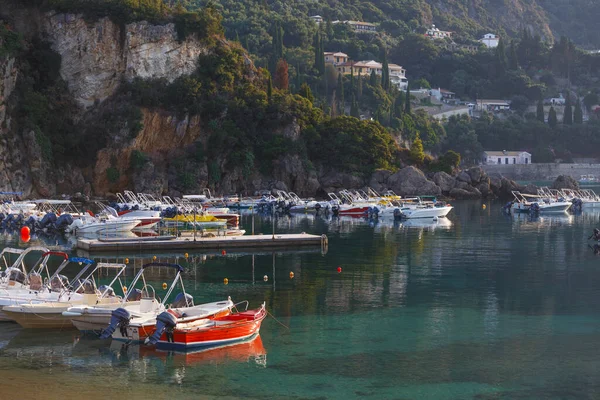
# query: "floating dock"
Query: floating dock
173,243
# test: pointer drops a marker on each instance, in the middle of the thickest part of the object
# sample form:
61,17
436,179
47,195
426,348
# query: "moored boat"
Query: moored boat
206,333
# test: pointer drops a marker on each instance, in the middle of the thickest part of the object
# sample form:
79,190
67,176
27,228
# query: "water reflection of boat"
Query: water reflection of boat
249,351
536,221
421,223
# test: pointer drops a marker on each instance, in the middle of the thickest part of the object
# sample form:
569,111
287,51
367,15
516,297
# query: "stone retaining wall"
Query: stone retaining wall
542,171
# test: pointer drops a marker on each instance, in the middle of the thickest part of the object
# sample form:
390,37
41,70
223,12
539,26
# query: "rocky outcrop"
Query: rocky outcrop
444,181
162,133
97,56
565,182
410,181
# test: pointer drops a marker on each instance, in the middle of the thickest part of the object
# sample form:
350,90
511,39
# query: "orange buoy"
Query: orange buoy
127,261
164,286
291,275
154,258
226,281
223,252
265,278
186,255
339,269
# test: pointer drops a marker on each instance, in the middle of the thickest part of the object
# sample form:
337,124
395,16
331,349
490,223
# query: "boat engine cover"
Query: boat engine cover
183,300
119,318
164,322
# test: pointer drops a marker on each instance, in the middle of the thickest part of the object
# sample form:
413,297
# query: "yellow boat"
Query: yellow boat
202,221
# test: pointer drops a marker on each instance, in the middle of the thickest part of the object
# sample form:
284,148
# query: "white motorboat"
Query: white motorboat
105,223
414,208
31,288
81,291
148,218
530,203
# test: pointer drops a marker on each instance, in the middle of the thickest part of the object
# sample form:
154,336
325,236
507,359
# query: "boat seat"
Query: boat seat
35,282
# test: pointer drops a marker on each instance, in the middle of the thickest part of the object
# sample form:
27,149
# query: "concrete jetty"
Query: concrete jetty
172,243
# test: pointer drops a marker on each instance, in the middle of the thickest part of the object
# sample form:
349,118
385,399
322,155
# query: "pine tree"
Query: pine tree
568,115
352,81
385,73
354,108
540,111
373,78
552,120
407,101
578,113
298,79
417,154
318,46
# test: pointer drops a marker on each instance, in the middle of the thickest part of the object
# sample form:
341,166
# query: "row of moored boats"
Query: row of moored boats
42,297
553,201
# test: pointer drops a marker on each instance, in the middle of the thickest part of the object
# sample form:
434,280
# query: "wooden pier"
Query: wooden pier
172,243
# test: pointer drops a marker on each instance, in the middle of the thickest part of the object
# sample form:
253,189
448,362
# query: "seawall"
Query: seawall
542,171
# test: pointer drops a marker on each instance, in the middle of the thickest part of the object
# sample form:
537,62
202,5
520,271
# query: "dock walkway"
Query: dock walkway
212,243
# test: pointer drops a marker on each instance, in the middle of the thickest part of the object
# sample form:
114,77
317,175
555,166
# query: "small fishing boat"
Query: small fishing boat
82,290
529,203
205,333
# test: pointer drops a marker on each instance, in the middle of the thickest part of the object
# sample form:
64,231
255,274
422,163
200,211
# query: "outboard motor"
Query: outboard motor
165,322
183,300
397,213
335,210
107,291
63,222
134,295
119,318
31,221
18,220
507,207
49,218
535,208
317,208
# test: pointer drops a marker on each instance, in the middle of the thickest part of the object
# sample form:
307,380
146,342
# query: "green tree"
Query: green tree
359,87
354,112
269,88
540,111
407,101
340,94
578,113
373,78
306,92
513,60
501,60
385,72
568,115
319,54
417,154
552,120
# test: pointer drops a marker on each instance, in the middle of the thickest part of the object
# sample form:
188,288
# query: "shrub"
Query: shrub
112,174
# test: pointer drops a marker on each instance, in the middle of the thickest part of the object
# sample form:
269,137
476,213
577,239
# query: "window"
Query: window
506,160
499,160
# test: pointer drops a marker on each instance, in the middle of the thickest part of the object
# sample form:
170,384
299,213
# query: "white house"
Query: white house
435,33
317,18
560,100
490,40
442,94
506,157
493,105
335,58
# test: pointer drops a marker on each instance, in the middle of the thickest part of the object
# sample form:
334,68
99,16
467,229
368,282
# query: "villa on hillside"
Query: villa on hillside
490,40
492,105
359,26
335,58
365,68
442,94
435,33
506,157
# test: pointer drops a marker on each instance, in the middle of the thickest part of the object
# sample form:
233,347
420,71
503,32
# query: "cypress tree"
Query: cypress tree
578,113
552,120
340,94
385,73
306,92
501,61
568,115
352,81
407,100
354,108
512,56
373,78
359,86
269,88
317,44
540,111
298,80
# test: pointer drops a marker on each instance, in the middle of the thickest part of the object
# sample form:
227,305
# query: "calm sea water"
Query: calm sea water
483,306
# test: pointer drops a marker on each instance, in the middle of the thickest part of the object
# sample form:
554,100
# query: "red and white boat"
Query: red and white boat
219,331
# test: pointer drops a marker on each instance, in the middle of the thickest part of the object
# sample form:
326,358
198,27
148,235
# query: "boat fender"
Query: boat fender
119,318
165,322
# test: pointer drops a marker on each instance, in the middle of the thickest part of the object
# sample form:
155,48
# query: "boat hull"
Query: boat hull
433,212
30,320
558,207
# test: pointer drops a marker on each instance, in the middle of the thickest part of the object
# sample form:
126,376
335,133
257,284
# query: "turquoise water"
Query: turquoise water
485,306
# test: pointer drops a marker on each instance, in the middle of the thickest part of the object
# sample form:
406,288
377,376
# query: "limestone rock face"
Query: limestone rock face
476,174
444,181
97,56
565,182
410,181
